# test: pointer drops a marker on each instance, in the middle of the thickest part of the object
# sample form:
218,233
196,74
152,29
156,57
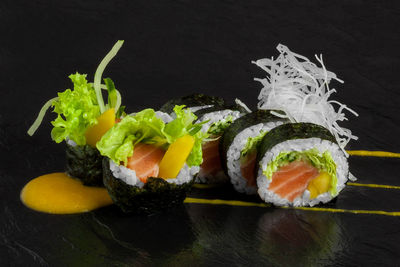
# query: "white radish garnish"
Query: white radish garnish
301,90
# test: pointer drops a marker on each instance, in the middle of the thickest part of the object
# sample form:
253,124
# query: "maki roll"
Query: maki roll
238,148
300,164
151,159
214,122
82,119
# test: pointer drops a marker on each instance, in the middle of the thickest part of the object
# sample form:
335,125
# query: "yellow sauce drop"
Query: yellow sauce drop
266,205
57,193
366,153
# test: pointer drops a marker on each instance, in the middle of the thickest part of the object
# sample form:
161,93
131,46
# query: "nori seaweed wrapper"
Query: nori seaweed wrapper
194,100
244,122
157,195
291,131
200,113
84,163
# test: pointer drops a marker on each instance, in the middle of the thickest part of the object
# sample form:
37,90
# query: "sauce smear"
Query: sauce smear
57,193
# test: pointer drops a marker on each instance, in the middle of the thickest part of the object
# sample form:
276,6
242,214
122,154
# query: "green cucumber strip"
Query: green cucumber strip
100,70
112,93
40,116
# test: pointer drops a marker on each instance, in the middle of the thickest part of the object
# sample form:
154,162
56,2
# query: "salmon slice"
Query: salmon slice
145,161
247,165
211,160
291,180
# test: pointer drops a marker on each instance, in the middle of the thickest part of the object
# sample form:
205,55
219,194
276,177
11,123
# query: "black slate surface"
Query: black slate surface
175,48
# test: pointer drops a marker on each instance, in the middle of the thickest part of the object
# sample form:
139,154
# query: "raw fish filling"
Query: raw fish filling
211,160
291,180
248,158
152,161
247,166
145,161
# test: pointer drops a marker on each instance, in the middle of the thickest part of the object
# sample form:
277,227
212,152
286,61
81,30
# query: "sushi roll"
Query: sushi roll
215,121
151,159
82,119
300,164
238,148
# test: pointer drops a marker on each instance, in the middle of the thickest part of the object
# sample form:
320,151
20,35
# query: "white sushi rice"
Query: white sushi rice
217,116
342,171
128,176
234,151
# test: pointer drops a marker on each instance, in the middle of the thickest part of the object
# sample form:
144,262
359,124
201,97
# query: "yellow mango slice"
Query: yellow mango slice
175,157
319,185
104,122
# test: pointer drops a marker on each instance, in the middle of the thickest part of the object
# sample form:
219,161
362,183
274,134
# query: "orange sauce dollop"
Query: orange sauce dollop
57,193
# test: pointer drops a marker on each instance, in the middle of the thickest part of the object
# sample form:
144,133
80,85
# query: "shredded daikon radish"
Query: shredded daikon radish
301,90
243,105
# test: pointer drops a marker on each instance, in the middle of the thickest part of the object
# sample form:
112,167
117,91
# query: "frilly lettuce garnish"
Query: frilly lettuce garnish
219,127
145,127
78,109
323,162
252,143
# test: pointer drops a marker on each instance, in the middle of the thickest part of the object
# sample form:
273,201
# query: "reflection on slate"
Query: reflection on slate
299,238
176,48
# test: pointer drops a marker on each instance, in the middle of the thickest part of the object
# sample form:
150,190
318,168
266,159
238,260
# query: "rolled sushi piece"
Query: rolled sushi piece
300,164
238,147
215,121
151,159
82,119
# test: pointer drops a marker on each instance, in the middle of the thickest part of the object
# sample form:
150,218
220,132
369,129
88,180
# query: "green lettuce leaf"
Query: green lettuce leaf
196,156
119,141
77,110
112,93
219,127
183,125
323,162
145,127
251,144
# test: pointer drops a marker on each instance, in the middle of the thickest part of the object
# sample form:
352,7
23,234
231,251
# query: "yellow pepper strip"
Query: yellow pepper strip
319,184
104,122
175,157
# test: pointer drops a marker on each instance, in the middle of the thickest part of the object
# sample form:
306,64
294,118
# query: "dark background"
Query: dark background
175,48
